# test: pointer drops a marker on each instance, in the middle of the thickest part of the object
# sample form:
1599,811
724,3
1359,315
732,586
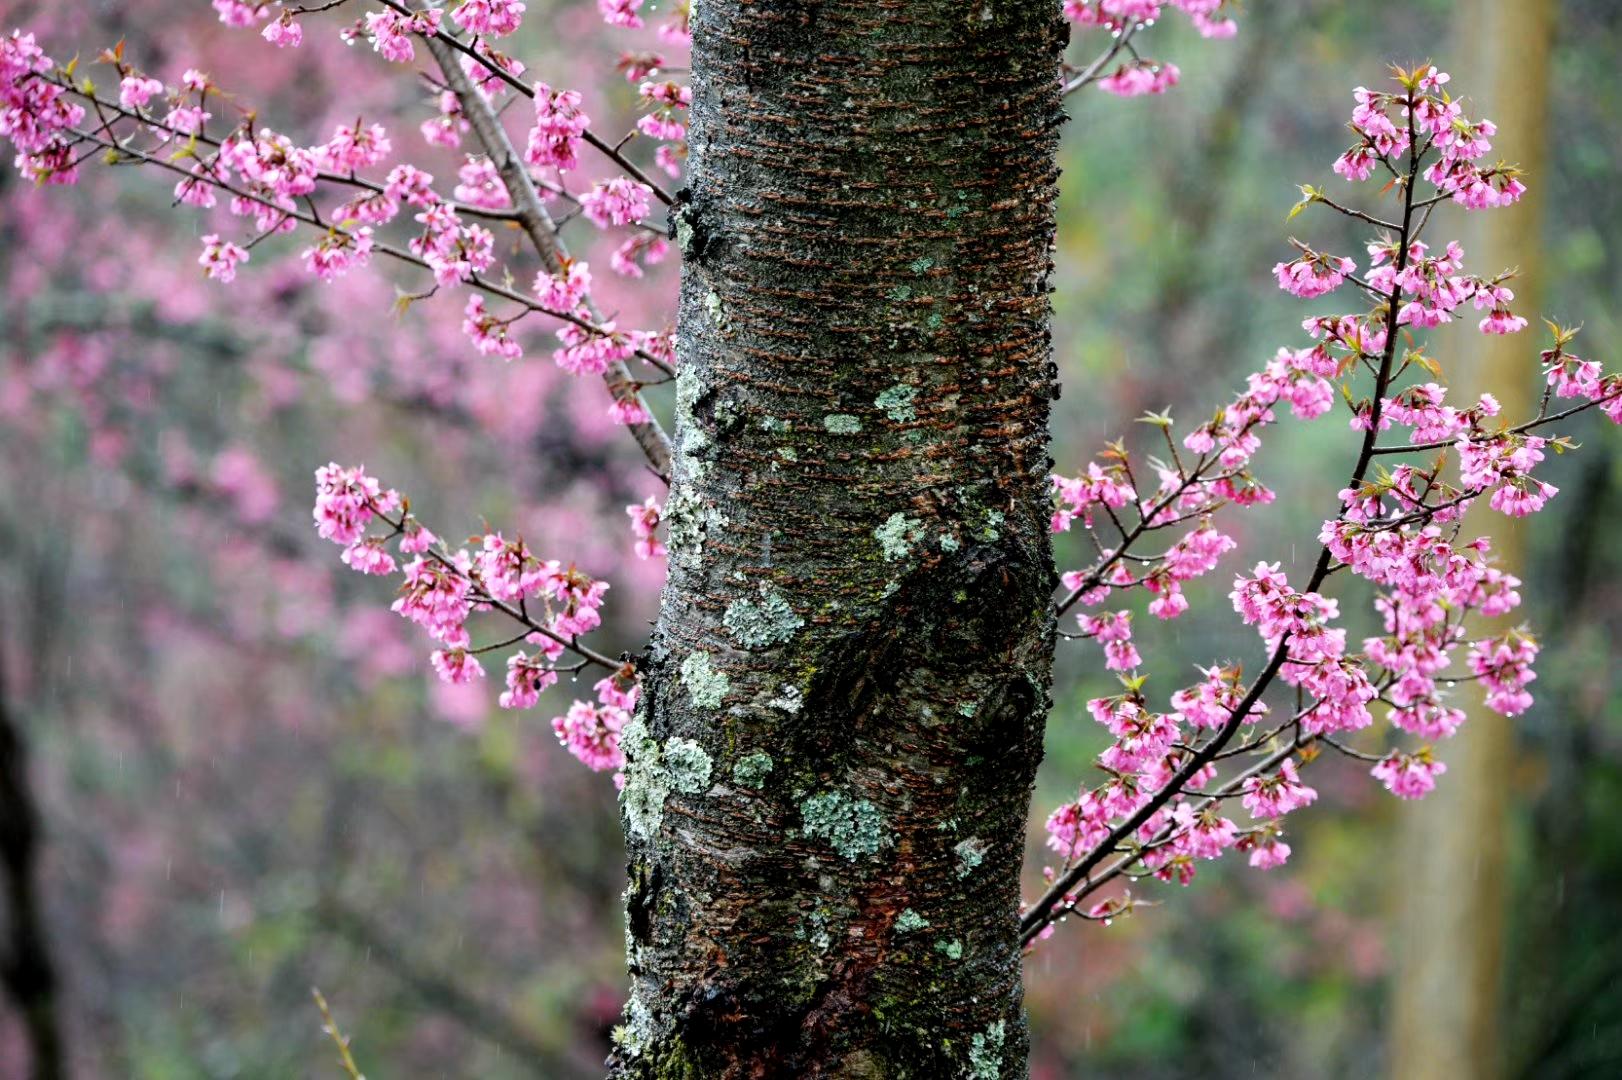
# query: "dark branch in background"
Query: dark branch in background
252,850
436,991
26,969
1565,965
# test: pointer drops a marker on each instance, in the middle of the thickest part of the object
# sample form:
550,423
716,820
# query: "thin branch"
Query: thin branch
330,1026
538,225
1519,429
440,42
1358,214
1091,73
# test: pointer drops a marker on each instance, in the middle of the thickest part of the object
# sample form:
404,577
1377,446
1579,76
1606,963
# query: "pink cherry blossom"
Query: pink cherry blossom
666,99
437,597
134,91
565,290
220,259
554,141
645,518
354,147
621,13
339,252
1313,274
1267,851
368,556
456,665
643,247
620,201
490,334
479,184
527,676
1504,666
1139,78
1409,776
390,32
587,352
239,12
414,539
591,733
496,18
284,32
1279,794
1502,322
347,500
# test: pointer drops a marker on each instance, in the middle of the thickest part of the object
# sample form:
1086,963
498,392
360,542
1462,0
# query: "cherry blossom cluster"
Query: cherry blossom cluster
36,115
665,98
553,606
1426,111
1161,808
492,18
1207,15
560,126
491,74
627,15
390,32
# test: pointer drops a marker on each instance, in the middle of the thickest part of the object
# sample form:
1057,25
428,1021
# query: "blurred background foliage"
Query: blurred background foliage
249,783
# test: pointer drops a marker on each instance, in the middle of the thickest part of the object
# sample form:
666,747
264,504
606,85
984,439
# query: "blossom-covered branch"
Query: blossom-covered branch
444,587
543,234
1123,20
1158,813
269,179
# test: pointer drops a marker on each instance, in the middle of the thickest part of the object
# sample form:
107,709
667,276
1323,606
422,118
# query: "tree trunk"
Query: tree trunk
1446,1010
829,777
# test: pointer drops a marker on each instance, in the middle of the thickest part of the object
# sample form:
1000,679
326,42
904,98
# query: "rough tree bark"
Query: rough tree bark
829,779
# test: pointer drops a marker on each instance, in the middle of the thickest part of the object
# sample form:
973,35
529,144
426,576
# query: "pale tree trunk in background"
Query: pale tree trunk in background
829,780
1451,897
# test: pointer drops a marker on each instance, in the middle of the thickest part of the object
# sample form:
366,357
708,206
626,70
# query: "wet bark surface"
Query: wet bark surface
829,778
